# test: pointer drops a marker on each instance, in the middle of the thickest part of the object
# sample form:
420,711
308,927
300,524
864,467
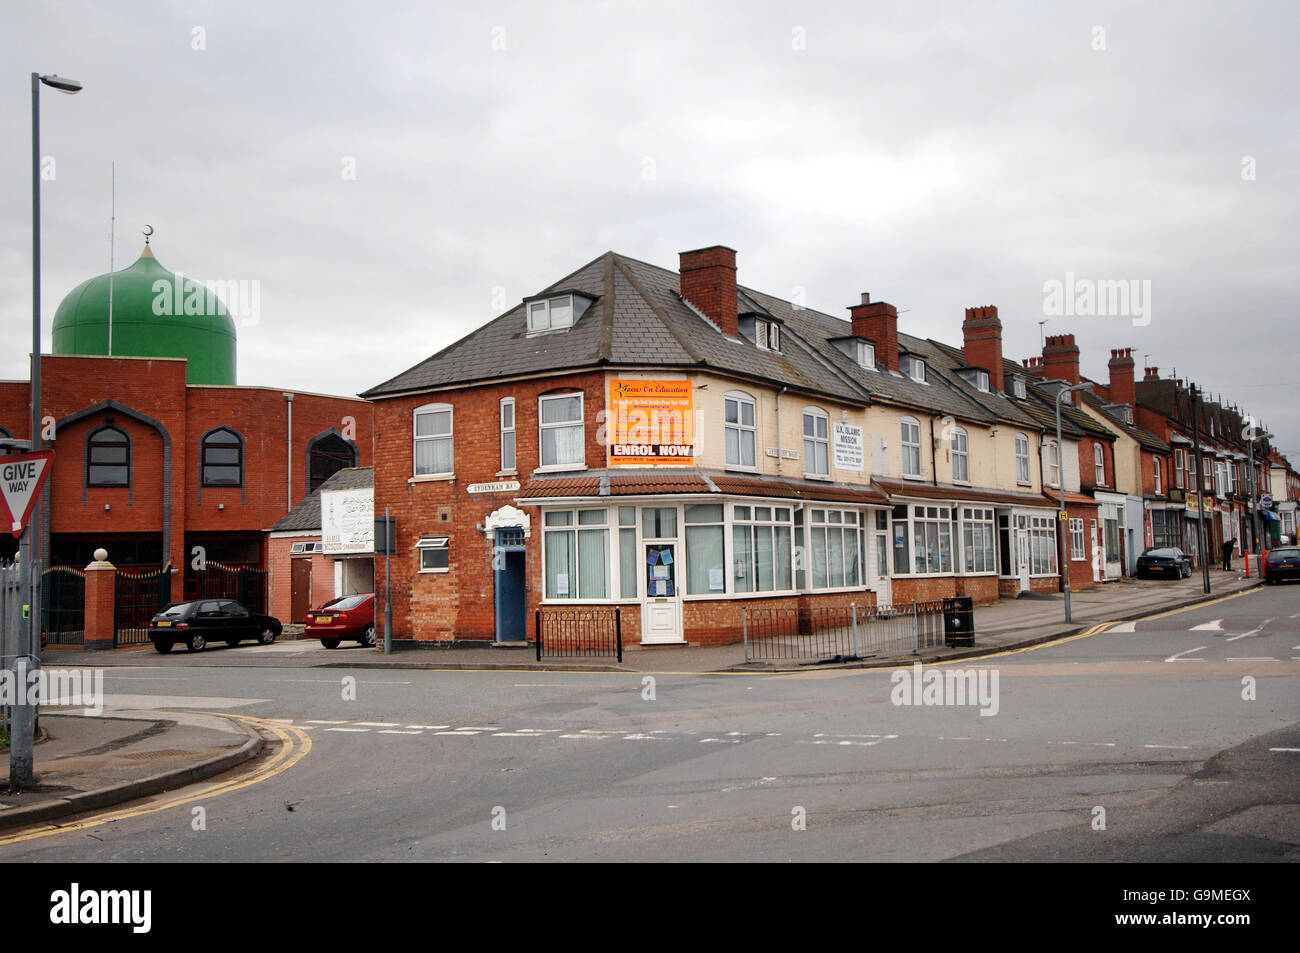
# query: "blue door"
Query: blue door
510,605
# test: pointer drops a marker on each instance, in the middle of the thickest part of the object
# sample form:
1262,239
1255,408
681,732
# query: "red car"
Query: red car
344,619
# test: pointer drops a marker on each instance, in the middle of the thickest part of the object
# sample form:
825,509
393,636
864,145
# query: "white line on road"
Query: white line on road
323,721
377,724
1285,750
1179,656
1254,658
1173,747
429,727
1214,626
1129,626
1243,635
459,731
348,729
395,731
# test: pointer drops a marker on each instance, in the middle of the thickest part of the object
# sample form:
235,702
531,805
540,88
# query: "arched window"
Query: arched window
1022,458
221,457
1099,464
327,454
740,430
960,456
816,442
108,457
911,443
433,440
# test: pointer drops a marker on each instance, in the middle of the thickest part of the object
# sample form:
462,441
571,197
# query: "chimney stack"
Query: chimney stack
1122,388
1061,358
708,277
982,332
1151,374
1033,367
877,322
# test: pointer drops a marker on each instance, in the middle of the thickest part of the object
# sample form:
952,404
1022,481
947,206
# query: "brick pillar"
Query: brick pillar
101,583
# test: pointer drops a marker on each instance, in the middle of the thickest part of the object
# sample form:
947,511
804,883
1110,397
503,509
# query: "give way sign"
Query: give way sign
21,478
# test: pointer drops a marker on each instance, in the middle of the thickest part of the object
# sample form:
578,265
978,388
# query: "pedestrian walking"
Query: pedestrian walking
1228,547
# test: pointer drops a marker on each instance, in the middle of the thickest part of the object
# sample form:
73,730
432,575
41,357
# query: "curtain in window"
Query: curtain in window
781,558
704,555
433,455
561,561
763,558
593,545
627,563
743,553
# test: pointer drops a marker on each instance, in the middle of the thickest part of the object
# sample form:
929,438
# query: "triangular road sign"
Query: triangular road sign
21,477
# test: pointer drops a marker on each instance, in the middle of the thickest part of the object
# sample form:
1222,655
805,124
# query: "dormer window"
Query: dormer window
860,352
976,378
866,355
761,333
913,367
1018,386
550,314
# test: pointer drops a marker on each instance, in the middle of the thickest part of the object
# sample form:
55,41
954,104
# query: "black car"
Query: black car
1166,561
210,620
1282,563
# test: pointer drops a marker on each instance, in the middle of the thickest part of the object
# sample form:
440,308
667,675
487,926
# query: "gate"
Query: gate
63,605
137,597
245,584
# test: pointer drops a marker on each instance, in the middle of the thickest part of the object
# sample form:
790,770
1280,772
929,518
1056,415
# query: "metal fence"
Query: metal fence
13,594
592,631
841,633
137,597
63,605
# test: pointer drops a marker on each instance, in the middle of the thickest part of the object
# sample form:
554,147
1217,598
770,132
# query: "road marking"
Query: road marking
356,730
398,731
642,736
377,724
459,731
284,759
1094,744
1174,747
1256,658
1130,626
1215,626
1243,635
1179,656
1285,750
326,721
429,727
1207,602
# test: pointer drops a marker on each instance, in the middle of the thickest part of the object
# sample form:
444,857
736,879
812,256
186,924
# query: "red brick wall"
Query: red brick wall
460,604
280,564
1087,464
983,589
708,281
923,588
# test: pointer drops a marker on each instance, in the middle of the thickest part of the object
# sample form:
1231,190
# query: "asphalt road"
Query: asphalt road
1184,729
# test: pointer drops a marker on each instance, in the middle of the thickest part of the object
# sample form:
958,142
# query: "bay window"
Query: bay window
761,549
835,542
1042,545
923,540
705,553
977,537
575,554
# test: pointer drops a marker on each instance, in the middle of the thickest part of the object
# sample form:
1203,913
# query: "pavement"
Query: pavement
87,763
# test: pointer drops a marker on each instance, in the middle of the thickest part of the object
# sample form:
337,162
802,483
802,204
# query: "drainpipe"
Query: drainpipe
288,453
778,428
934,467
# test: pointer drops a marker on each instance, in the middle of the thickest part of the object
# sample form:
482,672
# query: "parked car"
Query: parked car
344,619
1282,563
197,623
1165,561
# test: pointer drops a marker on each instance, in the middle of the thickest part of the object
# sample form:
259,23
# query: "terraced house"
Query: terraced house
680,446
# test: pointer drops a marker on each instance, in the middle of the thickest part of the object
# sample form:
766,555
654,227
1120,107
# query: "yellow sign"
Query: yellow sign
651,423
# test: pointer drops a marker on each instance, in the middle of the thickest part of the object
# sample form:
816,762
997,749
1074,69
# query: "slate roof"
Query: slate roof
1144,437
305,517
640,318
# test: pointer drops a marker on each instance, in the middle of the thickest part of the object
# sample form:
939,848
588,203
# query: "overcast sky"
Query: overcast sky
395,174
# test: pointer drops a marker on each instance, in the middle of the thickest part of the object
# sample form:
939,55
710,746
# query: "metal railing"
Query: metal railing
587,632
137,597
247,585
841,633
63,605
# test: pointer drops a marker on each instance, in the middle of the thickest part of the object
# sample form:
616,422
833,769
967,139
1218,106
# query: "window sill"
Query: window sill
432,478
505,473
823,477
914,476
1024,483
736,468
433,572
562,468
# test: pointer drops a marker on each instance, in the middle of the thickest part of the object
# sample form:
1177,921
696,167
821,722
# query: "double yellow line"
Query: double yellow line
294,746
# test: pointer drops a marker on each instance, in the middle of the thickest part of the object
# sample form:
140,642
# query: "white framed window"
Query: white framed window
1159,491
931,537
914,368
911,445
560,432
1099,464
433,440
1078,551
575,554
1180,469
740,430
1042,546
816,442
982,381
1207,473
551,314
1022,459
507,433
706,557
1053,451
435,554
298,549
866,355
960,456
836,540
774,337
978,538
1018,386
761,547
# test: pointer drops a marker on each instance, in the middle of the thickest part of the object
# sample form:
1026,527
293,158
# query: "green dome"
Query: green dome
154,315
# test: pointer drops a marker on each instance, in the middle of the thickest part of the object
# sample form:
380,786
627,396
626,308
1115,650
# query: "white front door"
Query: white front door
1022,558
880,582
661,611
1097,551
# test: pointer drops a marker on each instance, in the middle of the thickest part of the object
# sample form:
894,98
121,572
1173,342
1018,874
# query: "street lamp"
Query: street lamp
1252,436
24,716
1060,479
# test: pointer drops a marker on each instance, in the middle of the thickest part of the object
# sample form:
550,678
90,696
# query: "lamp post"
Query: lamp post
1060,479
1251,436
28,643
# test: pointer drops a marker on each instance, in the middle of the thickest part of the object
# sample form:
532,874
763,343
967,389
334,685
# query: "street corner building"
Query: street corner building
678,447
160,457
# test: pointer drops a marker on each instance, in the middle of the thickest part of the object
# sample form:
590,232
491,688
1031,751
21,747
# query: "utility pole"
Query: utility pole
1200,487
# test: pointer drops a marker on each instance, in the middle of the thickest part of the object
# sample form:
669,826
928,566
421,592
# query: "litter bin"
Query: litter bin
959,621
